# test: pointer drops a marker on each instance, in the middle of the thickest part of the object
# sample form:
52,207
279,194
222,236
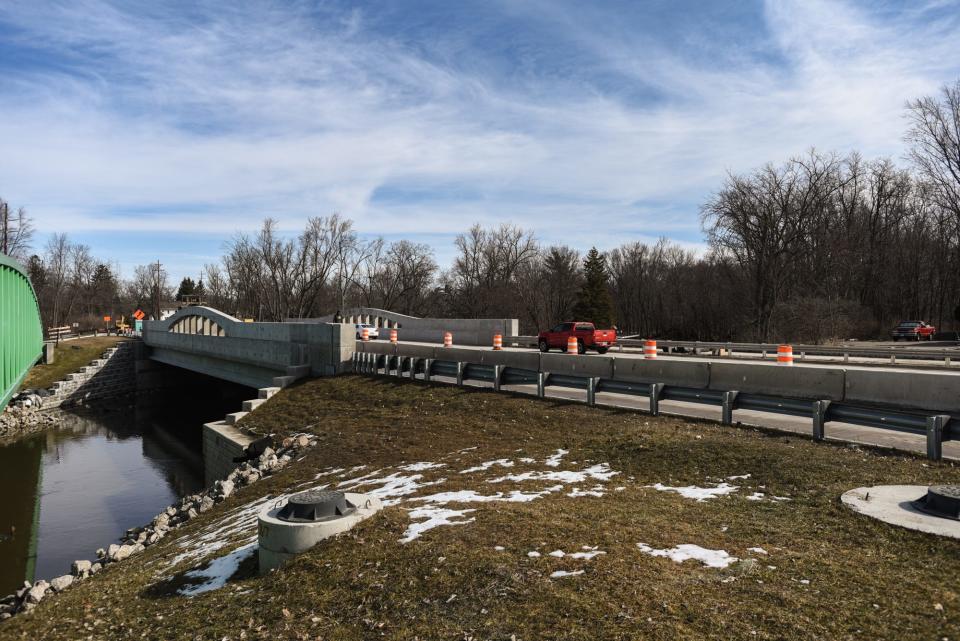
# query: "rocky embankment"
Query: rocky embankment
137,539
21,418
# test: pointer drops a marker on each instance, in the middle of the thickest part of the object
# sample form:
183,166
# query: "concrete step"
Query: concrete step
267,392
252,404
298,371
232,419
283,381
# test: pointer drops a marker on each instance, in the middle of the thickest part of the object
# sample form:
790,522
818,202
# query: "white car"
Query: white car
371,331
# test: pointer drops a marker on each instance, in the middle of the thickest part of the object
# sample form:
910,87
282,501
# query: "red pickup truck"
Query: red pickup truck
588,337
913,331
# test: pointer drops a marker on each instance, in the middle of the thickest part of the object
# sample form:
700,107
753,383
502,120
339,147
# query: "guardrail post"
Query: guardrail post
729,401
460,371
820,419
497,371
935,425
655,391
413,368
592,384
846,357
893,359
400,360
541,384
427,365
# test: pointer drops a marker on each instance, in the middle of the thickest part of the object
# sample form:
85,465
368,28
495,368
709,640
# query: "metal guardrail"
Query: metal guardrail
727,349
935,427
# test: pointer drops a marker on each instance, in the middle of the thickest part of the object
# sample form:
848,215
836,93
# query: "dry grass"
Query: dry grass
866,579
69,356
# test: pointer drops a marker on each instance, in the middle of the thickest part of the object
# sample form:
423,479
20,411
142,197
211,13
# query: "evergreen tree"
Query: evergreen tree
594,303
187,288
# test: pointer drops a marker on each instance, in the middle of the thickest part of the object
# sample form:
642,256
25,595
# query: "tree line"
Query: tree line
820,246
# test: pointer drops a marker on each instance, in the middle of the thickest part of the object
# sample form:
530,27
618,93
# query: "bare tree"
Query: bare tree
934,138
16,231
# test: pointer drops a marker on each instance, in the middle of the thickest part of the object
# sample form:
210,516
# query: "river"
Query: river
78,487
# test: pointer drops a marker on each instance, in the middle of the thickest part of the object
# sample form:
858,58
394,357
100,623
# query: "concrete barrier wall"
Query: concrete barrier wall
927,390
814,383
601,366
466,331
694,374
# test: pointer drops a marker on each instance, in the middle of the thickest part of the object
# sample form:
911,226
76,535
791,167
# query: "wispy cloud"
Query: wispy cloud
592,123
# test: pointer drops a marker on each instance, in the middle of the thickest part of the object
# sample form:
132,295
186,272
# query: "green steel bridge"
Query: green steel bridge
21,333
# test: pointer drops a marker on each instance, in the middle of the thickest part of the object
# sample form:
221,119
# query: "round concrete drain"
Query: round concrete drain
316,505
942,501
897,505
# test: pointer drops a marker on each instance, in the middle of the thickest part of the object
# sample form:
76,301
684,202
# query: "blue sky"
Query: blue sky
160,130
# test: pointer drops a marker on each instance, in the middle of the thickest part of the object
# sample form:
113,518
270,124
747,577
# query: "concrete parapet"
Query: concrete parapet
601,366
518,360
921,390
814,383
695,374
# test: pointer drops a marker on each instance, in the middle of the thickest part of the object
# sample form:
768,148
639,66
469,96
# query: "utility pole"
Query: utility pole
156,312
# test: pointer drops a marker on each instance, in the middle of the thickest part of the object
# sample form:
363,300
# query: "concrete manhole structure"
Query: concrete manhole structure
934,509
286,529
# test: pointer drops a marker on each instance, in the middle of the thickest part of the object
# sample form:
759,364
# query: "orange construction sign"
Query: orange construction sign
139,315
106,319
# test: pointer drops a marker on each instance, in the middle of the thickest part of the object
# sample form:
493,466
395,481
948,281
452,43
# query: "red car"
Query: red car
913,331
588,337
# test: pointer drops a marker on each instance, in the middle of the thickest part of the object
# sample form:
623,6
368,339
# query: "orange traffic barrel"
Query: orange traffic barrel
572,347
649,349
497,341
447,339
393,336
785,355
365,333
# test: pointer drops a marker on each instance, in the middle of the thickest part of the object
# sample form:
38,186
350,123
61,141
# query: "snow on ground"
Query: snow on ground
391,487
242,520
562,573
756,496
588,553
533,555
757,550
554,459
483,467
600,472
738,477
218,571
698,493
433,517
686,551
596,490
421,467
470,496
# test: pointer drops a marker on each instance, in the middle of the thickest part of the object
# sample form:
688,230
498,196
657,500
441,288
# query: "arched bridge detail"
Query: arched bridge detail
197,324
21,331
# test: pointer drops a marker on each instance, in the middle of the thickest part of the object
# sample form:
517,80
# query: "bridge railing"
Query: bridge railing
718,349
21,333
916,402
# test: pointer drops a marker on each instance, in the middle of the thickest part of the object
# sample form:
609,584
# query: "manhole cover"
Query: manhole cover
942,501
316,505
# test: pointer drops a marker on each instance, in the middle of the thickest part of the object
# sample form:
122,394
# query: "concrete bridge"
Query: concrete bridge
205,340
466,331
21,332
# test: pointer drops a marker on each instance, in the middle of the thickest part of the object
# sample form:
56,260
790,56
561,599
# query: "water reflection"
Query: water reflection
75,488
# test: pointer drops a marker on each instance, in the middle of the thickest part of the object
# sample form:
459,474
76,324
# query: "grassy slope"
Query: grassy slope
867,579
69,356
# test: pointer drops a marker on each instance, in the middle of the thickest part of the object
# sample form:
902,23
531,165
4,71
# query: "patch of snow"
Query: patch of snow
554,459
470,496
433,517
600,472
782,498
756,496
499,548
619,489
328,472
527,459
502,462
757,550
595,491
586,555
533,555
218,571
685,551
558,554
421,467
698,493
391,487
738,477
562,573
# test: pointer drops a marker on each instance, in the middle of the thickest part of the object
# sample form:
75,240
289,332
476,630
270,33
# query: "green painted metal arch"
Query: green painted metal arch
21,332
